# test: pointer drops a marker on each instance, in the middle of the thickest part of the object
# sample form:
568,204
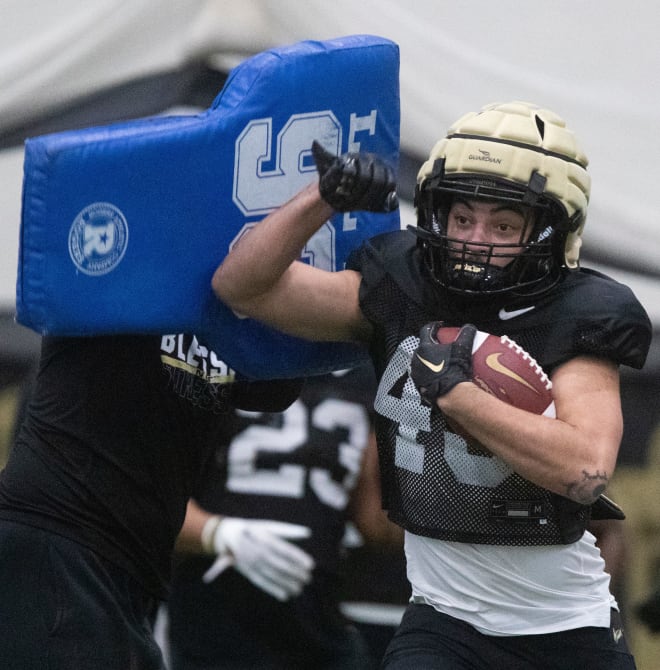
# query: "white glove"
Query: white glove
258,550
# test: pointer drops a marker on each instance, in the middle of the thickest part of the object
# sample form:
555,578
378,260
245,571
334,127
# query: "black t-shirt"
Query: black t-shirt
113,441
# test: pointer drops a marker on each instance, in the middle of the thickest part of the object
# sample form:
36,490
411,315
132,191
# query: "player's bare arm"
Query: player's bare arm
573,455
262,278
189,539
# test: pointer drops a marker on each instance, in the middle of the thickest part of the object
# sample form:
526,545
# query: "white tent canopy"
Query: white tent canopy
594,62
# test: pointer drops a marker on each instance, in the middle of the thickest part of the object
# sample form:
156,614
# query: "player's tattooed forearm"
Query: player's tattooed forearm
588,488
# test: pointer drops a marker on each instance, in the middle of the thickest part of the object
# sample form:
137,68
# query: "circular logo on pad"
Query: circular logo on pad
98,238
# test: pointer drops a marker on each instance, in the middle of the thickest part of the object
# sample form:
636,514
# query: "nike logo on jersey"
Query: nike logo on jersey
493,362
432,366
505,314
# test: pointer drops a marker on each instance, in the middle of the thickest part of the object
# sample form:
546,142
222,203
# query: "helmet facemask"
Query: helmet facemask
527,266
507,153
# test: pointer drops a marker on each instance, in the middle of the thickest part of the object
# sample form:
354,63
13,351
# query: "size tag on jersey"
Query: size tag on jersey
518,510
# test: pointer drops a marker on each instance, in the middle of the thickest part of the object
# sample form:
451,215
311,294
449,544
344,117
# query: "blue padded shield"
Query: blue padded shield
123,225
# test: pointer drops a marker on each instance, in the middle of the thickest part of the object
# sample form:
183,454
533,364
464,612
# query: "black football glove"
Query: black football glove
436,368
605,508
355,182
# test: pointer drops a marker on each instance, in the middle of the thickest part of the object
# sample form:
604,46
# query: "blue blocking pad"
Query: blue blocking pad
123,225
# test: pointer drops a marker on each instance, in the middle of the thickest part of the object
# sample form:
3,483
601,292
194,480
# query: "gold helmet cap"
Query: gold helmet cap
510,141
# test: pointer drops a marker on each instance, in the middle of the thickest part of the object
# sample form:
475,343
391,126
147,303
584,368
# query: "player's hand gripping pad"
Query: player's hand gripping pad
123,225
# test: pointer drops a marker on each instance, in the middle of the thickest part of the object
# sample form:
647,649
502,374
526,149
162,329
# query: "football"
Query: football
507,371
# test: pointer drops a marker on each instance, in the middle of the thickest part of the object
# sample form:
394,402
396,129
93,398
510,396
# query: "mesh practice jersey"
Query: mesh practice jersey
434,483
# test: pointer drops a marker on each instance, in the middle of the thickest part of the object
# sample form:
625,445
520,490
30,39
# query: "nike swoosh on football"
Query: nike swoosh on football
433,367
493,362
505,315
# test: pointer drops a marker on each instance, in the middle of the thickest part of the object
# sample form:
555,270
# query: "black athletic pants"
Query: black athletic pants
429,640
65,608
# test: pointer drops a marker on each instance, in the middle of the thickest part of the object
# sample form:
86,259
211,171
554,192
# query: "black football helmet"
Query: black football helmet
514,152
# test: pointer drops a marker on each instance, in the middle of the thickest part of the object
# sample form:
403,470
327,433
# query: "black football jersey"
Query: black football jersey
298,466
434,483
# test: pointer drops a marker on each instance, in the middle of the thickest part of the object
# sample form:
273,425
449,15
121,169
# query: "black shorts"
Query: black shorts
65,608
428,639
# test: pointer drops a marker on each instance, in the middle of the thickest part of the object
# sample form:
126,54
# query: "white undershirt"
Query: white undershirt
503,590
